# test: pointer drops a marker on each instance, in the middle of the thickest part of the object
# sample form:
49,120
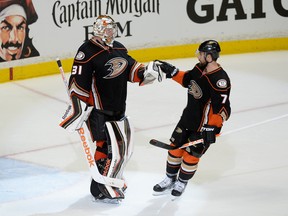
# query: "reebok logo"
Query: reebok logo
87,150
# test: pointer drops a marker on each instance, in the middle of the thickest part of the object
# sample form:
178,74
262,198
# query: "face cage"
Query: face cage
107,33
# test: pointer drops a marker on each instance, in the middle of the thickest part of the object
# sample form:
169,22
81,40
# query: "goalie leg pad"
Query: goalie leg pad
120,136
120,149
111,192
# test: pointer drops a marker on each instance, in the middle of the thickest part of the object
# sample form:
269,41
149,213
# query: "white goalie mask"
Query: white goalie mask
105,28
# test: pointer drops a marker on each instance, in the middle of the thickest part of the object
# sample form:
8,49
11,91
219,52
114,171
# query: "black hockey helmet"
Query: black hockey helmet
210,47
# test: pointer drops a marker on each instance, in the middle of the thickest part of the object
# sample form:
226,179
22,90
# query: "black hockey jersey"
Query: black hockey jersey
208,97
100,74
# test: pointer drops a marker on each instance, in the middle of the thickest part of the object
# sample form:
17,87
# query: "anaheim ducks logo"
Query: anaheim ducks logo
116,67
195,90
80,56
222,83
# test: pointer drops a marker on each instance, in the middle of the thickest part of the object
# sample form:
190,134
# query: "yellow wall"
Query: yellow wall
145,55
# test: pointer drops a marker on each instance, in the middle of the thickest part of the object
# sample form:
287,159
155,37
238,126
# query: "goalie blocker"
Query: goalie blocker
74,118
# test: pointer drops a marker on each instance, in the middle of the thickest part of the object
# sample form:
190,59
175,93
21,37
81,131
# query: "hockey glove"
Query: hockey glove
208,134
196,150
169,69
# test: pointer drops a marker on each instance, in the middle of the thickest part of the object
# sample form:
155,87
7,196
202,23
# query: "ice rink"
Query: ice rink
43,171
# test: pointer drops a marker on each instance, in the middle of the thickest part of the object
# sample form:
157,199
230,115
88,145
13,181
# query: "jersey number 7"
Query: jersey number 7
224,98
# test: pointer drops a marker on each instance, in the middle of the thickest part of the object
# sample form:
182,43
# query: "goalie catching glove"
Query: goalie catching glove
151,73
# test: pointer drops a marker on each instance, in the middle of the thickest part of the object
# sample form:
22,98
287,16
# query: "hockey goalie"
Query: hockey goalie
97,89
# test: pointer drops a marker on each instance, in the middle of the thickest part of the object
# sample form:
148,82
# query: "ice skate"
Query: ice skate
178,189
164,186
106,194
107,200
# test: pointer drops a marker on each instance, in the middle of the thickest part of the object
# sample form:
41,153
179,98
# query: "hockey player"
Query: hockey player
208,106
99,76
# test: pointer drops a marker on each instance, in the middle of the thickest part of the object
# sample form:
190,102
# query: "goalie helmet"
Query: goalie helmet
210,47
105,28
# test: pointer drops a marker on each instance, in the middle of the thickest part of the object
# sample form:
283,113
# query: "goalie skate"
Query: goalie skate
108,201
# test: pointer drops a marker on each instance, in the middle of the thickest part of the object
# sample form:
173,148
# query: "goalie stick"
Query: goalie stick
163,145
114,182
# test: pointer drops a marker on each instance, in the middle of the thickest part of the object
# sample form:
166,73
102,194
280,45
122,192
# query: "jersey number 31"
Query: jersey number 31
76,70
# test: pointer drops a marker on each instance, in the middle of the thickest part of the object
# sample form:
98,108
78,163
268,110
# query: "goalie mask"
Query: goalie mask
105,28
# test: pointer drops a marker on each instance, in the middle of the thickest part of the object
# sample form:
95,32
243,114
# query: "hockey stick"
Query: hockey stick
87,146
170,147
